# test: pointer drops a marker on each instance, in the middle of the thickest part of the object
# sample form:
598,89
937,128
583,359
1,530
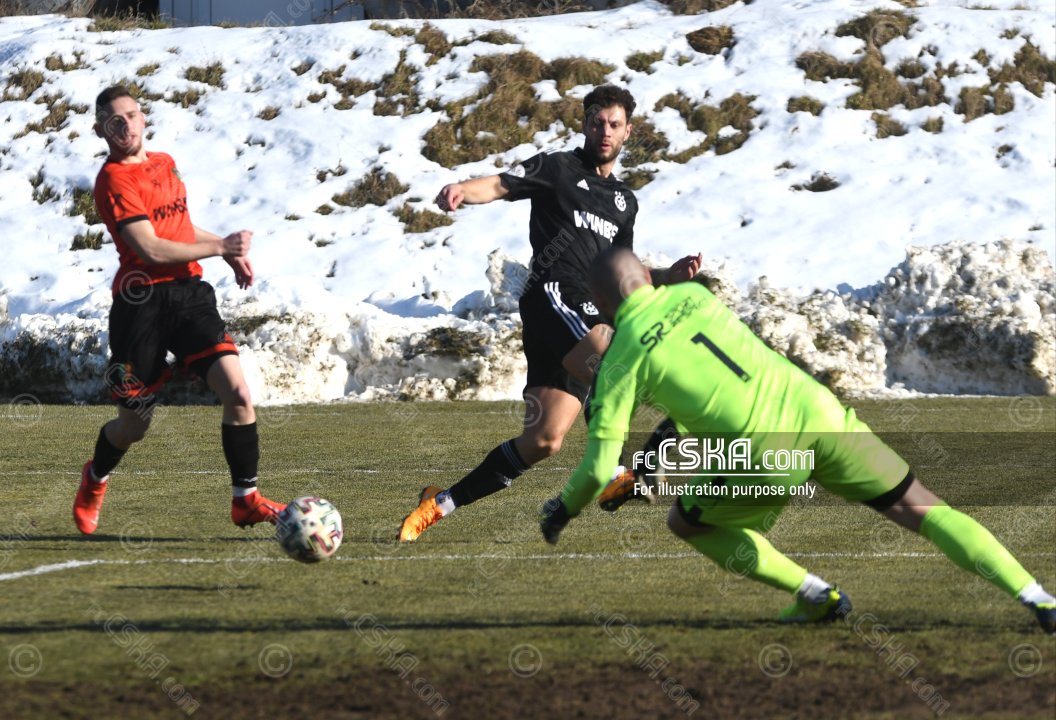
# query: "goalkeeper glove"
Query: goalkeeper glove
552,519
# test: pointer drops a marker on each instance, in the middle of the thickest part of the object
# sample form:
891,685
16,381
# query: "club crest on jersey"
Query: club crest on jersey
589,308
516,171
621,201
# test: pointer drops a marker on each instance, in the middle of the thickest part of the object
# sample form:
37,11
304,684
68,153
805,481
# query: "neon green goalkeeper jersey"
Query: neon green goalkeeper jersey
680,350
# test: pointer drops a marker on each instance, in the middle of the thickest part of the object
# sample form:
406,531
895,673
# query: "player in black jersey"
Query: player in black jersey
578,210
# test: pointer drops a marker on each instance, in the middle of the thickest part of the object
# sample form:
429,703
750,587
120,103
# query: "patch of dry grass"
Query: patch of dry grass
506,112
819,182
805,103
497,37
59,109
83,205
735,111
377,187
695,7
643,61
646,144
887,126
212,74
419,221
349,89
147,70
878,27
185,98
711,40
88,240
434,41
932,125
127,21
22,83
56,63
42,192
397,93
269,113
303,67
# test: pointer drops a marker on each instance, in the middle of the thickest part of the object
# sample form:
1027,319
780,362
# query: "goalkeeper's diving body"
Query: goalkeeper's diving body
679,349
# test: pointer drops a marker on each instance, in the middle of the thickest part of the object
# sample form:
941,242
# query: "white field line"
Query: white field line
74,564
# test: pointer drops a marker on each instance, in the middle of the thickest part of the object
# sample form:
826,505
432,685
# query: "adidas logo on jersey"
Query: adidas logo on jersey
599,225
583,184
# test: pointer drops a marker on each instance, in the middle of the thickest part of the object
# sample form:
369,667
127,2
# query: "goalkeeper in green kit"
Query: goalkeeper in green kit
679,349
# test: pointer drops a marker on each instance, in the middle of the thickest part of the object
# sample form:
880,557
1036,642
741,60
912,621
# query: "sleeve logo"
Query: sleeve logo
621,201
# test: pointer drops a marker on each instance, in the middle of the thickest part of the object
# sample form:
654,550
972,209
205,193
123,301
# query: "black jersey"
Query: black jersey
576,214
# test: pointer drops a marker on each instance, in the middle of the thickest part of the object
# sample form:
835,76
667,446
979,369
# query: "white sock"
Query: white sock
445,503
242,491
1034,594
814,589
94,479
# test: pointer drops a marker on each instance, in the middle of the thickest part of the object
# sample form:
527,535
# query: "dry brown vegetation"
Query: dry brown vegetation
375,188
887,126
349,89
506,112
805,103
128,21
419,221
695,7
912,85
735,111
186,98
269,113
56,63
147,70
88,240
497,37
58,115
212,74
711,40
434,41
877,27
83,204
397,93
42,192
338,171
819,182
643,61
302,67
23,83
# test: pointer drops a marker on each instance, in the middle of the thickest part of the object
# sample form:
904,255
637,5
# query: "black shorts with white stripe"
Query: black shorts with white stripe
554,318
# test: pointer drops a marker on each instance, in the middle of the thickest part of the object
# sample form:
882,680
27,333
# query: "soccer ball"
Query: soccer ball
309,529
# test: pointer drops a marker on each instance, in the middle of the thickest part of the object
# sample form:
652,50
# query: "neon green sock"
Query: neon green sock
749,554
973,548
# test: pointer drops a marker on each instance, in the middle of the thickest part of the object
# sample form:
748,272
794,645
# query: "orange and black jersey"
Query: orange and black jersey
152,191
576,214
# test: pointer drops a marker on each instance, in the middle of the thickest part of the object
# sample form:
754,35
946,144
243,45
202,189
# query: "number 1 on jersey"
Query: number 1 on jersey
704,340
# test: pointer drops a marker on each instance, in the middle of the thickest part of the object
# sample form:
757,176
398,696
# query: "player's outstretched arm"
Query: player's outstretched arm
471,192
154,250
681,271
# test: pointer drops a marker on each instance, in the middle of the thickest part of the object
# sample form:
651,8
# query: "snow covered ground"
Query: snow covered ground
349,305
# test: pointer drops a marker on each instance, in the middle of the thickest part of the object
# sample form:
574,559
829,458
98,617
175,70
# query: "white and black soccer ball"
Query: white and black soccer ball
309,529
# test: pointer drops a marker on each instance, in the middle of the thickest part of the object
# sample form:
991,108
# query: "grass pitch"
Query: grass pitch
172,611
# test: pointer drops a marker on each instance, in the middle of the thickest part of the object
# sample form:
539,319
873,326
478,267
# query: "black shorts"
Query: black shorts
148,321
554,319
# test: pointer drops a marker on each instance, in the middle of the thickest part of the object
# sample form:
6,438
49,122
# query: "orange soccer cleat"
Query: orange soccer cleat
426,514
89,501
254,508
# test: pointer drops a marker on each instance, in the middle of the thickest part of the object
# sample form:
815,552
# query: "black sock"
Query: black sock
501,467
106,455
242,450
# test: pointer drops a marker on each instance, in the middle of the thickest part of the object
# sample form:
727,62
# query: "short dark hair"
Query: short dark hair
605,96
103,99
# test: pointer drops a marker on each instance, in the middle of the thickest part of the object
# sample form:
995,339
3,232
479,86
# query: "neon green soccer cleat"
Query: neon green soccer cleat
1046,615
836,605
